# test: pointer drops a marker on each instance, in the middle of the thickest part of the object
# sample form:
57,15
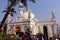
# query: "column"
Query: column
41,28
49,31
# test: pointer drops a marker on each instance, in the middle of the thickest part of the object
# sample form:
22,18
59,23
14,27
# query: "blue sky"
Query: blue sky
42,9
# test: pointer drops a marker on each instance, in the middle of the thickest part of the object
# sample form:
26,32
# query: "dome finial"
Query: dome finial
52,10
21,5
29,10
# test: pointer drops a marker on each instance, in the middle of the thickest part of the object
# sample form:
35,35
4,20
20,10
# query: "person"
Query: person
17,39
21,35
29,38
40,38
24,37
50,38
56,39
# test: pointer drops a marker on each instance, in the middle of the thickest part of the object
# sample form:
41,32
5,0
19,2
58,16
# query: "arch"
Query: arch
45,32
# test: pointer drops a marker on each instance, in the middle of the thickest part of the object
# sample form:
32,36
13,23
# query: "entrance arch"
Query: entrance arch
45,32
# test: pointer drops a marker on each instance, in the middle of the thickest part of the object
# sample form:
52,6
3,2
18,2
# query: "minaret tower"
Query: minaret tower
20,11
29,15
53,16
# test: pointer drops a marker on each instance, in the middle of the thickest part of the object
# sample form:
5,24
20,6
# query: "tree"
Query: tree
28,30
12,3
9,10
39,34
12,11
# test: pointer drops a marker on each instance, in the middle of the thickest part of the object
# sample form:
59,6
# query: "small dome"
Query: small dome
28,15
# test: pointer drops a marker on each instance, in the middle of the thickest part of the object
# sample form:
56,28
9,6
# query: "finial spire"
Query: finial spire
29,10
21,5
53,16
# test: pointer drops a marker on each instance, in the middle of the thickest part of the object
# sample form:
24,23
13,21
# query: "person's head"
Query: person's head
21,34
28,34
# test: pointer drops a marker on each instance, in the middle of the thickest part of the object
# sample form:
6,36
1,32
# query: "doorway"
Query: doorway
45,32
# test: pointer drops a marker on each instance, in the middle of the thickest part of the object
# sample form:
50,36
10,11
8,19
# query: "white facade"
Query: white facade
28,19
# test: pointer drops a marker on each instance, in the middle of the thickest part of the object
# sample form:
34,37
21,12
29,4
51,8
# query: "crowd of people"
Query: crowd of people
27,36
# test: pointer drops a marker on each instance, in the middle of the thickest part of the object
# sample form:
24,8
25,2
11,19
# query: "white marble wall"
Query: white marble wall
49,31
10,29
34,30
41,28
55,29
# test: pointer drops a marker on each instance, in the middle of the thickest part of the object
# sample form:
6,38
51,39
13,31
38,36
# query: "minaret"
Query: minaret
29,15
53,16
20,11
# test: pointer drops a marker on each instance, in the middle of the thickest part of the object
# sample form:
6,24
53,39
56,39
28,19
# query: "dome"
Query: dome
28,15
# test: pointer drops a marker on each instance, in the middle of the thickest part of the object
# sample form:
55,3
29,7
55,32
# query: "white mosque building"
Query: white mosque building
27,19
